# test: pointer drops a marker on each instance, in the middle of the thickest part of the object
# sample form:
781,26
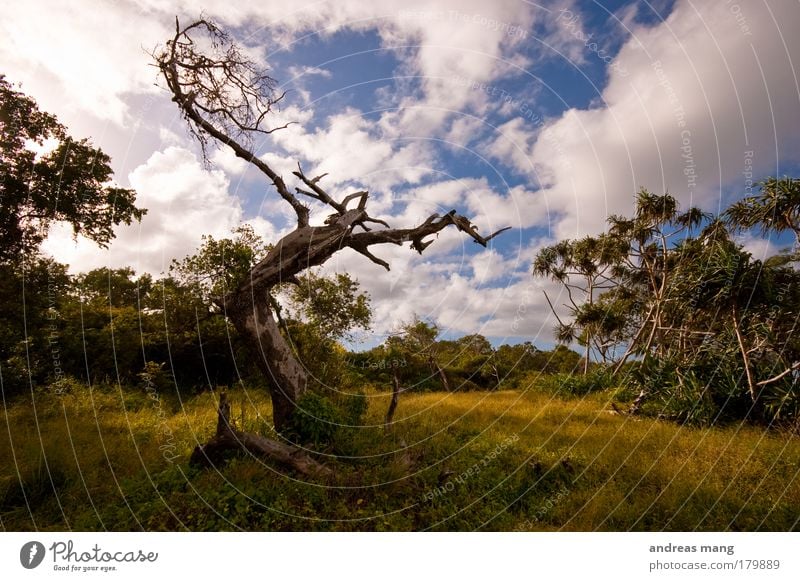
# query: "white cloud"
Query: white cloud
348,149
488,266
225,159
701,93
512,145
80,58
464,130
307,71
760,248
183,201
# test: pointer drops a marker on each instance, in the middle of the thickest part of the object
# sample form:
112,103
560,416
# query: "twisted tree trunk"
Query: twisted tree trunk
286,376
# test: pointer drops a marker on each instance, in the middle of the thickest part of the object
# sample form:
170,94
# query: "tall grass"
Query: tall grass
509,460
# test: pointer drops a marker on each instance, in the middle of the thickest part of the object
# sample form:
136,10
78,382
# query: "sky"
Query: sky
543,117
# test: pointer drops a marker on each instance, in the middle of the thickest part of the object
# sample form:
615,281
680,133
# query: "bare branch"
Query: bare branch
319,193
795,366
374,220
555,314
362,202
223,96
372,257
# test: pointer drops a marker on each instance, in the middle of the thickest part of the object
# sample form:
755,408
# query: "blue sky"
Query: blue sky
546,117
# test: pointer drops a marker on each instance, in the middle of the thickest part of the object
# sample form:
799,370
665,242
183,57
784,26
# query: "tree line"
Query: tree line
110,325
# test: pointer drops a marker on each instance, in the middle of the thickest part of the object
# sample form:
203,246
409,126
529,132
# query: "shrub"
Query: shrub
782,402
699,392
153,377
316,420
34,486
597,380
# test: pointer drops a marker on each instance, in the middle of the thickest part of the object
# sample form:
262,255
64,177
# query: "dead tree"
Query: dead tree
226,100
388,423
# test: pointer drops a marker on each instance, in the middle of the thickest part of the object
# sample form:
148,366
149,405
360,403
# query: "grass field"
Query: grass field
508,460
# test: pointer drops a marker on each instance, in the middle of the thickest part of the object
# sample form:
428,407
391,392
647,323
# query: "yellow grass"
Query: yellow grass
508,460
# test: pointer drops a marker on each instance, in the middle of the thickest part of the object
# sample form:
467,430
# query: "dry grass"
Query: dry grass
509,460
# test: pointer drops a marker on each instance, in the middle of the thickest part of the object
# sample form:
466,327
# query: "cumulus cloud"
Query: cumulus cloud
349,149
761,248
183,201
82,58
700,103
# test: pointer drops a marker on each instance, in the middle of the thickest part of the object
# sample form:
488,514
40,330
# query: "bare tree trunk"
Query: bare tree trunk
651,337
745,357
586,360
632,345
286,375
442,376
496,375
387,426
590,296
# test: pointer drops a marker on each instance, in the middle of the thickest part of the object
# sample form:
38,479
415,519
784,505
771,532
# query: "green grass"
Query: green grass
508,460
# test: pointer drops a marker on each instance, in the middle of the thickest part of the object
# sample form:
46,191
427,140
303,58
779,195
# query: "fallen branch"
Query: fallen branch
228,440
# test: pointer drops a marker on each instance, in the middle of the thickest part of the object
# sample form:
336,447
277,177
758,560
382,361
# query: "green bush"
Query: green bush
782,402
689,400
316,420
700,392
579,384
353,407
33,486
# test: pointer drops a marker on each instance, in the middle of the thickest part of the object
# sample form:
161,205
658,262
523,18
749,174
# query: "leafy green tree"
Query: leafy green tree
321,312
585,268
775,208
114,287
559,360
742,307
70,183
186,333
417,344
105,333
651,253
33,304
513,362
729,347
191,318
334,306
470,361
220,266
